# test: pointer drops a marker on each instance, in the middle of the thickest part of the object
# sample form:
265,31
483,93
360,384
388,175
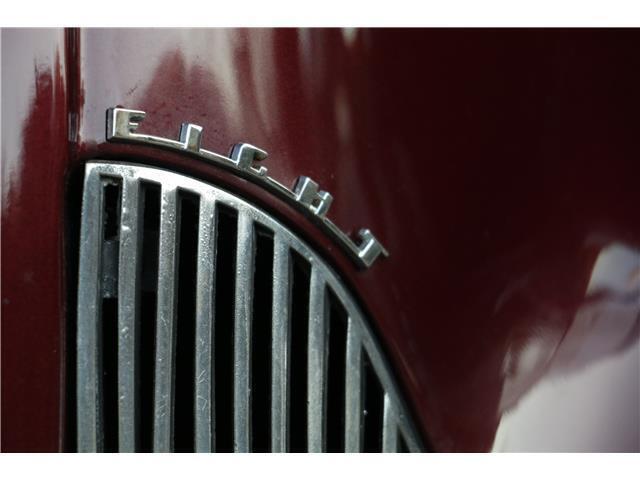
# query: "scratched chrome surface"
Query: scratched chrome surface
396,423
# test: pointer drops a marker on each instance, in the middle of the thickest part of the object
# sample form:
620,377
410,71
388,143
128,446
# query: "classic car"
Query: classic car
340,240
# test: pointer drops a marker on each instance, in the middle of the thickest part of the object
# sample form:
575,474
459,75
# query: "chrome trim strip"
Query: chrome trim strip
128,308
389,427
353,389
205,297
165,323
317,362
122,125
242,333
281,347
88,387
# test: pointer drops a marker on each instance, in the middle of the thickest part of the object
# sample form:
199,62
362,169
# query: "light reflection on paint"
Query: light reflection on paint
15,102
588,398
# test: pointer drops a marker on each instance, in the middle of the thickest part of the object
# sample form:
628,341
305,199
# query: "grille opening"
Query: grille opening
111,220
373,408
110,373
109,316
148,303
299,336
261,341
336,374
184,426
227,229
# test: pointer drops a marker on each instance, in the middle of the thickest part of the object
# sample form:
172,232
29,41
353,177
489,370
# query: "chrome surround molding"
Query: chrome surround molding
360,340
306,196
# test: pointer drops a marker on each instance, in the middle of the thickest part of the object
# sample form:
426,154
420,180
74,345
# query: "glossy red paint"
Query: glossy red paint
35,159
495,166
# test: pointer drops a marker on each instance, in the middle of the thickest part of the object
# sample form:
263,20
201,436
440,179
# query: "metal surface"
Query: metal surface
242,333
205,321
317,363
280,324
389,428
353,389
123,123
322,278
88,382
128,311
164,379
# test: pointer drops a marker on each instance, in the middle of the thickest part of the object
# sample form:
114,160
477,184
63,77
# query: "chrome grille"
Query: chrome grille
318,383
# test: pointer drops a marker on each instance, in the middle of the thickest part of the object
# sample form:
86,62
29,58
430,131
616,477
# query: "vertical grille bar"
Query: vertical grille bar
88,328
165,331
317,363
128,314
281,346
242,333
204,394
353,389
389,428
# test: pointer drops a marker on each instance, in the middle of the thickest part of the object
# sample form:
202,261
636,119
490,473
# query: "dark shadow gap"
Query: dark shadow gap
336,374
261,341
184,415
373,408
110,374
109,315
299,338
71,251
227,229
402,445
148,303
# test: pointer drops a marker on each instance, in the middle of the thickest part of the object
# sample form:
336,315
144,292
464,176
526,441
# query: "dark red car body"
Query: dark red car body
496,166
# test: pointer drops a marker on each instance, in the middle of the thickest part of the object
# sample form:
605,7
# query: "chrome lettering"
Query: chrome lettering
123,123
